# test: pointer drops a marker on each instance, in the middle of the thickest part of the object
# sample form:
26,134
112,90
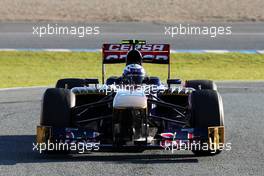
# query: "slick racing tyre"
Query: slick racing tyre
113,80
56,111
201,84
154,81
70,83
206,111
56,107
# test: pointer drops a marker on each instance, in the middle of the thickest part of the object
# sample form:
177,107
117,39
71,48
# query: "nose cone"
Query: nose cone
130,99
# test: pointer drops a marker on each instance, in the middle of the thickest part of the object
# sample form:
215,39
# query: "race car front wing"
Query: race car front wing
183,138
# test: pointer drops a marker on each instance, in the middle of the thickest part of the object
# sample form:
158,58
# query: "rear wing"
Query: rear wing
151,53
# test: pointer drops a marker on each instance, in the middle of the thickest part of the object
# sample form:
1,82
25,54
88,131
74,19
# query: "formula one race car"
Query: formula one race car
133,111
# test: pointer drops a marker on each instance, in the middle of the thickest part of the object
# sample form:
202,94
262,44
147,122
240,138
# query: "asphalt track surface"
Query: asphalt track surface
245,36
243,105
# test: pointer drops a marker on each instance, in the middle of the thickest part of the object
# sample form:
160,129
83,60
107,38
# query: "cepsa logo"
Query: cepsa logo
126,47
153,53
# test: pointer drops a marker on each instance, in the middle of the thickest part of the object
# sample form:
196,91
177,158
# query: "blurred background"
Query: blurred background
134,10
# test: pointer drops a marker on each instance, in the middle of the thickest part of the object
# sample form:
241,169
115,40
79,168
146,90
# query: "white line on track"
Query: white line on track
19,88
99,50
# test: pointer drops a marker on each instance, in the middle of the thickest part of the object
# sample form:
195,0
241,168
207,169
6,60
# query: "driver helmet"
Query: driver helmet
134,74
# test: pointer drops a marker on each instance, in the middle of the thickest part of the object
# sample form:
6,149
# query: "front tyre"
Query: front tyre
206,111
56,112
56,107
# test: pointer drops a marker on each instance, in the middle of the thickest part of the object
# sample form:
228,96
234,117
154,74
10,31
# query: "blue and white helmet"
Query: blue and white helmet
134,74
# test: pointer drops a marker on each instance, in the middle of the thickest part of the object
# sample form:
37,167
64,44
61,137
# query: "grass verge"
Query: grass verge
19,68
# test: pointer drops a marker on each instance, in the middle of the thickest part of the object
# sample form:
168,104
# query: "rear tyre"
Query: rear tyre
154,81
56,111
206,111
113,80
70,83
201,84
